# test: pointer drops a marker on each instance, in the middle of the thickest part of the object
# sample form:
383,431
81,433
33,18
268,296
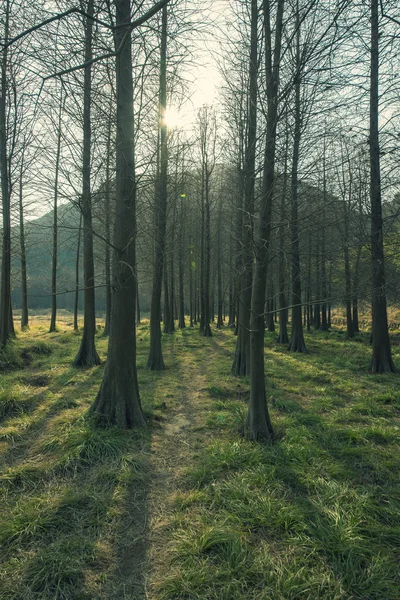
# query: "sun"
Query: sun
173,118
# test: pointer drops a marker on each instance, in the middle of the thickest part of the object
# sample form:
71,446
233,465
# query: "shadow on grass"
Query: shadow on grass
75,502
315,515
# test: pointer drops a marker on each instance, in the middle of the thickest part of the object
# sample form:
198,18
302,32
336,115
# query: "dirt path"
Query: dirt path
144,545
174,449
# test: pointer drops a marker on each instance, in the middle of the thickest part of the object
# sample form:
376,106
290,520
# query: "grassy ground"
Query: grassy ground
188,509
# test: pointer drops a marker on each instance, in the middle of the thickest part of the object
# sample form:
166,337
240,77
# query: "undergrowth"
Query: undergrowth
315,516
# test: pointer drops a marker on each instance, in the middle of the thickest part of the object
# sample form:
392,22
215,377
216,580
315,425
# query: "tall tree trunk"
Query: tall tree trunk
356,324
283,337
347,276
207,256
172,292
55,224
330,296
87,354
231,292
78,256
258,422
155,361
296,343
202,258
220,294
172,298
181,266
317,307
107,207
309,307
192,294
5,298
137,296
270,305
24,278
324,322
381,361
241,361
167,302
118,400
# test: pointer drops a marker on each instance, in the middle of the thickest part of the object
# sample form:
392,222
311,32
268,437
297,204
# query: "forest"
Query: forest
200,300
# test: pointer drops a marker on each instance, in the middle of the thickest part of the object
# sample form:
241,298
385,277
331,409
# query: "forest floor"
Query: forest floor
188,509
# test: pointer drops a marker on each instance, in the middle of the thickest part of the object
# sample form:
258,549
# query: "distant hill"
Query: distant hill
39,243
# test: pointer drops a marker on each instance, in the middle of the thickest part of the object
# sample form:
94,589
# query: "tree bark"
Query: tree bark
118,401
24,278
220,299
381,361
347,276
172,310
324,322
87,354
258,423
167,303
241,362
181,266
107,257
55,225
78,256
207,257
155,361
192,294
297,343
5,299
317,306
270,306
283,337
330,296
356,324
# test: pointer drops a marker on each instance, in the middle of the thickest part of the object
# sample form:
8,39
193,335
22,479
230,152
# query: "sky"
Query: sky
203,76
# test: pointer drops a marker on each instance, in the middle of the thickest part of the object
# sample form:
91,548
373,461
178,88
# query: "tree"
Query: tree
208,139
258,423
296,343
381,361
283,337
55,219
6,329
241,361
87,354
118,400
155,362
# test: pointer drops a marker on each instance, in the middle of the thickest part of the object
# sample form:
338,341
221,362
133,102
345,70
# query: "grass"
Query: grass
200,513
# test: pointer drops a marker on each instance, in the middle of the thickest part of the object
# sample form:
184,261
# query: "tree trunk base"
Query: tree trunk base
258,428
155,363
382,364
207,331
297,345
118,402
282,338
87,356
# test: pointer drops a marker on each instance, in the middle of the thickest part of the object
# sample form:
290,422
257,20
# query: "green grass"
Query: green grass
315,516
